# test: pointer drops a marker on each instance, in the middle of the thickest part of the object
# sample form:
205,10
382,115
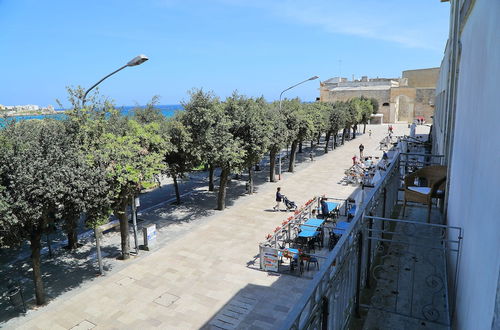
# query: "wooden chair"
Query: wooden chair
434,178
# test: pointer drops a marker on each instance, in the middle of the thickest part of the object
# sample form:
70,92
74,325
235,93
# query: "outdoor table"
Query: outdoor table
308,233
333,207
311,229
313,222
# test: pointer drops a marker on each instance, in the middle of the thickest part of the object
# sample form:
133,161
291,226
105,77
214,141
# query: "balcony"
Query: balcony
387,272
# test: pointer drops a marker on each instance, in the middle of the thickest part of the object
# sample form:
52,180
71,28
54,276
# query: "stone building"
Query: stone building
400,99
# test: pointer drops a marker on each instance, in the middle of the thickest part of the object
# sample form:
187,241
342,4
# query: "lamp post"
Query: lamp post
133,62
281,94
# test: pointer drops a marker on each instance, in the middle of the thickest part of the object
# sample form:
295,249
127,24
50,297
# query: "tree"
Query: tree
319,114
375,104
150,113
353,115
86,192
305,130
249,125
200,121
89,192
336,121
179,157
291,110
132,153
32,172
228,153
366,111
278,136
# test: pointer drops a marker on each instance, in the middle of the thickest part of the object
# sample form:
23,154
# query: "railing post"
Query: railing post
369,252
357,297
384,192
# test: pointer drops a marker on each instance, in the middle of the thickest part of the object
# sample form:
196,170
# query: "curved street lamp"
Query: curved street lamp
133,62
312,78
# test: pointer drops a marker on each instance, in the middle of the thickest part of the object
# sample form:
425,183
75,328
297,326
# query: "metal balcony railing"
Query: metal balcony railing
334,294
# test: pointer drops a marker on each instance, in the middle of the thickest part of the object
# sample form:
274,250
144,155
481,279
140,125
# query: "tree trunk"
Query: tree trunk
176,186
327,141
125,237
335,140
35,238
300,147
293,150
72,238
354,131
272,165
211,177
250,180
319,138
364,128
221,197
312,144
343,136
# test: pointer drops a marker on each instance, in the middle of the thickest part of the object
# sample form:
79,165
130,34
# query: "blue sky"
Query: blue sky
258,47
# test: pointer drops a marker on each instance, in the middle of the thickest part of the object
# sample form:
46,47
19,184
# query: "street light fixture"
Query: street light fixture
133,62
281,94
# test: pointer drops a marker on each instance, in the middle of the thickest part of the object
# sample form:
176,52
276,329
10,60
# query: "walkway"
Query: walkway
187,281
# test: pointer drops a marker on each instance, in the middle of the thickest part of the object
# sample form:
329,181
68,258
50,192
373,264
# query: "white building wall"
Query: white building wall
474,192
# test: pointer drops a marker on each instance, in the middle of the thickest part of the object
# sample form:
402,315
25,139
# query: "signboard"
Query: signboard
270,258
149,233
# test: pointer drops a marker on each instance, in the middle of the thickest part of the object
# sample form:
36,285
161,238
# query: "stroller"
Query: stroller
289,204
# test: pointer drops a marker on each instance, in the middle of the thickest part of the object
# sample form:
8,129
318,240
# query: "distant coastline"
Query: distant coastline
168,110
32,113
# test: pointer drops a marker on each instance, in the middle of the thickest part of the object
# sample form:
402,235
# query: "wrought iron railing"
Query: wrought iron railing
333,295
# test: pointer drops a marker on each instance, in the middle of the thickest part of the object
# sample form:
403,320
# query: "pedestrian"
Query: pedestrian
279,198
361,148
324,208
370,133
413,128
354,160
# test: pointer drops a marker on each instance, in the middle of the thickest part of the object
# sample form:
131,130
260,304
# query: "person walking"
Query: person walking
279,198
370,133
361,148
354,160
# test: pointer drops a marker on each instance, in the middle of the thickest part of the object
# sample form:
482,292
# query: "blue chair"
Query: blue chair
312,260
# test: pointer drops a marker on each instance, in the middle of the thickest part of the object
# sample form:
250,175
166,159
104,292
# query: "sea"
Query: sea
167,110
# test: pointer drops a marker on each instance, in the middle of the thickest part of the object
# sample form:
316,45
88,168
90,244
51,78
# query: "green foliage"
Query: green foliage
375,105
337,116
278,127
319,114
249,126
132,157
367,109
202,113
150,113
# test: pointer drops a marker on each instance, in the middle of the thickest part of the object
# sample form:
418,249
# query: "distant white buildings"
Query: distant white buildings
22,109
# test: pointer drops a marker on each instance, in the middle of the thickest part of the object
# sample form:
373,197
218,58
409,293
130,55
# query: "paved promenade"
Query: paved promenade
187,281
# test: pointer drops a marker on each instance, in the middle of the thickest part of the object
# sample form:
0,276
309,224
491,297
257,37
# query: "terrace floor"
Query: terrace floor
409,279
